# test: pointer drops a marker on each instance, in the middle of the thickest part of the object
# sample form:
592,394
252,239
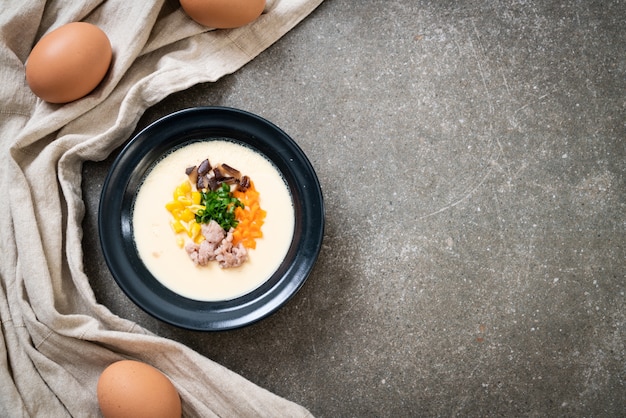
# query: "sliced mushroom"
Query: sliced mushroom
202,182
230,170
228,180
204,167
192,173
244,183
213,183
204,176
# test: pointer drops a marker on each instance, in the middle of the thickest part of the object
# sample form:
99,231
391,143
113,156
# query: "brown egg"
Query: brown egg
69,62
129,388
223,14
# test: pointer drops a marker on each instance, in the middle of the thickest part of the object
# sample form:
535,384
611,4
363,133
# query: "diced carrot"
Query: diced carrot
250,219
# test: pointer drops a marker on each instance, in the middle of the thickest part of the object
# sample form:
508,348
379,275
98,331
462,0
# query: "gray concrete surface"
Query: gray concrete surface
472,157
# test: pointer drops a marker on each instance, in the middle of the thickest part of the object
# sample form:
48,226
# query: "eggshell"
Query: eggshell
69,62
129,388
223,14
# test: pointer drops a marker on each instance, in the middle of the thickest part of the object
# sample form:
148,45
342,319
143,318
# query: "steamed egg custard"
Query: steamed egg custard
169,245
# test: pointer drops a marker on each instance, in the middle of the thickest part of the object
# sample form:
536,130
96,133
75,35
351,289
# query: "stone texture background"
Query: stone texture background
472,158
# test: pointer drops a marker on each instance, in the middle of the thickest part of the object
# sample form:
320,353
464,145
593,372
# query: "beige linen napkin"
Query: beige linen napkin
56,339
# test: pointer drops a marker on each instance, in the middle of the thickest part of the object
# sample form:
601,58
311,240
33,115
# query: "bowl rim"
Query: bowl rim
132,165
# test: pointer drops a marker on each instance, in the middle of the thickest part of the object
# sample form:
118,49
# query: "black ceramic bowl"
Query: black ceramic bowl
132,165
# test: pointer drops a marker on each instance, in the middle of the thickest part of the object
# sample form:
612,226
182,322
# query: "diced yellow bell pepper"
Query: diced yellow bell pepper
183,208
182,190
177,213
177,226
194,229
173,205
185,187
186,215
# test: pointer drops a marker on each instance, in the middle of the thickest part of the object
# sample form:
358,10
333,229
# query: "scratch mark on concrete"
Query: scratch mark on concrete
465,197
480,67
540,98
506,83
